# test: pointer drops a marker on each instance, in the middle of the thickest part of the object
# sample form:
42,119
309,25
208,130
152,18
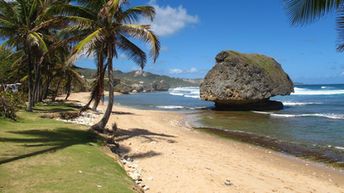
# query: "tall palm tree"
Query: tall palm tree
305,11
23,24
112,29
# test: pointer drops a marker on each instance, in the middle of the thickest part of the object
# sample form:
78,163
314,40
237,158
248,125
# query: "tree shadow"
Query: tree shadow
123,135
42,141
147,154
122,113
56,107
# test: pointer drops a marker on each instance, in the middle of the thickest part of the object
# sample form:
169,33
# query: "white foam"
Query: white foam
189,92
291,103
324,87
304,91
324,115
339,147
170,107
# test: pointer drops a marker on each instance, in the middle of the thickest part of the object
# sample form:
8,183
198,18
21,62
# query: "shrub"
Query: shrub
10,103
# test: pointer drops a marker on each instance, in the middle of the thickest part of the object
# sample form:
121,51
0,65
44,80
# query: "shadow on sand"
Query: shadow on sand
149,136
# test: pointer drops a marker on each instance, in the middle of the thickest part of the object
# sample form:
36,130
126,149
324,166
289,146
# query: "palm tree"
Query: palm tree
112,29
306,11
24,24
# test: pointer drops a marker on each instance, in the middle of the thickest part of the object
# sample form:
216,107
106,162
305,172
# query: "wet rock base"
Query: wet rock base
267,105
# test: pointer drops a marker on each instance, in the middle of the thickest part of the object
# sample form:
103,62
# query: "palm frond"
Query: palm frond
340,29
51,23
35,39
305,11
89,40
144,33
132,51
133,14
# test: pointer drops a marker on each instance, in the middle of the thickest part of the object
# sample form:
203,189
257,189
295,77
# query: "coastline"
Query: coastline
173,157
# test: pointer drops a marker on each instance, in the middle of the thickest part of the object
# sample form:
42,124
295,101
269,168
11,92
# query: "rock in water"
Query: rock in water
245,82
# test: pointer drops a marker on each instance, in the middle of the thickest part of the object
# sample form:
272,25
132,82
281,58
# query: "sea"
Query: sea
311,124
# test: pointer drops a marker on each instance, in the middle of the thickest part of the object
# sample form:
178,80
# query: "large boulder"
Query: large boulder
245,82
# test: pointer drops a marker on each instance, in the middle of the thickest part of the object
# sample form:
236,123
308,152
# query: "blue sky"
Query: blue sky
193,32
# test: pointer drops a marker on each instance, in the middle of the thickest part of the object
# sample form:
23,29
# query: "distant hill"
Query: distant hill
135,77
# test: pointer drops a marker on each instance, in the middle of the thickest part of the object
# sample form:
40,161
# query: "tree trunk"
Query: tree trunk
100,126
46,89
100,83
56,90
68,87
36,83
30,85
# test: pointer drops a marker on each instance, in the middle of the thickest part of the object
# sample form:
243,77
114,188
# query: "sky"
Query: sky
192,32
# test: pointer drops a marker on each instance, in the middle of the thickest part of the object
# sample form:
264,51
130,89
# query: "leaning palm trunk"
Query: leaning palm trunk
99,92
68,87
102,123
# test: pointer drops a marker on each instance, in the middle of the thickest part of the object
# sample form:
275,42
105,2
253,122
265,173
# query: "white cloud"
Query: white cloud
181,71
342,74
193,70
176,71
169,20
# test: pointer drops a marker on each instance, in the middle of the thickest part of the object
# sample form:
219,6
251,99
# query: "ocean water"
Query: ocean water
310,125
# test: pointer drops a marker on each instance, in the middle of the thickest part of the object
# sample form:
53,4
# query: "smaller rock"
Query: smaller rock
145,188
228,182
99,186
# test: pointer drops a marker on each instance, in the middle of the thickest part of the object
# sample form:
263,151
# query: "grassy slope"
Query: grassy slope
265,62
42,155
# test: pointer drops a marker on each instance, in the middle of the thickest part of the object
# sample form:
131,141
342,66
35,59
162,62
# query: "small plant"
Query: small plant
10,103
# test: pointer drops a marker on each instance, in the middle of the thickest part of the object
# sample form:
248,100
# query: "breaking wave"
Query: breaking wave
324,91
323,115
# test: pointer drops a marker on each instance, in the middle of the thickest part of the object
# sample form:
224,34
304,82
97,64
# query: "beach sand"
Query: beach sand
174,158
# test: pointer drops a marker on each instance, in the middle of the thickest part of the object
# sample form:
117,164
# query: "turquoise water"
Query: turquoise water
312,121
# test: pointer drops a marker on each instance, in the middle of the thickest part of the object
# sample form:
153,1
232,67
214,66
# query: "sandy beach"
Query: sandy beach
173,157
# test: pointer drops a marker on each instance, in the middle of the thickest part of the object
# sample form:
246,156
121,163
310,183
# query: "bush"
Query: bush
10,103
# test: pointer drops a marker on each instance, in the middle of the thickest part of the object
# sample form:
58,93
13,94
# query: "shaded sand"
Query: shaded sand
175,158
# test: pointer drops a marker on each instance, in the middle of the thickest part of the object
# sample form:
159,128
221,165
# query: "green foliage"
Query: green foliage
10,103
267,63
6,61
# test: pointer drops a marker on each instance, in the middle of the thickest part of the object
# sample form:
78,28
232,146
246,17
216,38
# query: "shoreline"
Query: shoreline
316,154
173,157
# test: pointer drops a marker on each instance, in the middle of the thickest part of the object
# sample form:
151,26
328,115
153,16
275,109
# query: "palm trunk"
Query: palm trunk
100,83
36,83
56,90
30,85
46,89
69,87
102,123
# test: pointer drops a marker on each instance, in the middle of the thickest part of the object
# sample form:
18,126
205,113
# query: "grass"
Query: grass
44,155
265,62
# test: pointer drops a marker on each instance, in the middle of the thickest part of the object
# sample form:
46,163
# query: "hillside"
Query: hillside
135,77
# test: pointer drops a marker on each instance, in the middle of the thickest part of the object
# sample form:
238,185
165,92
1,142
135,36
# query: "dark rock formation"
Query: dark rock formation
122,87
245,82
160,86
140,87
